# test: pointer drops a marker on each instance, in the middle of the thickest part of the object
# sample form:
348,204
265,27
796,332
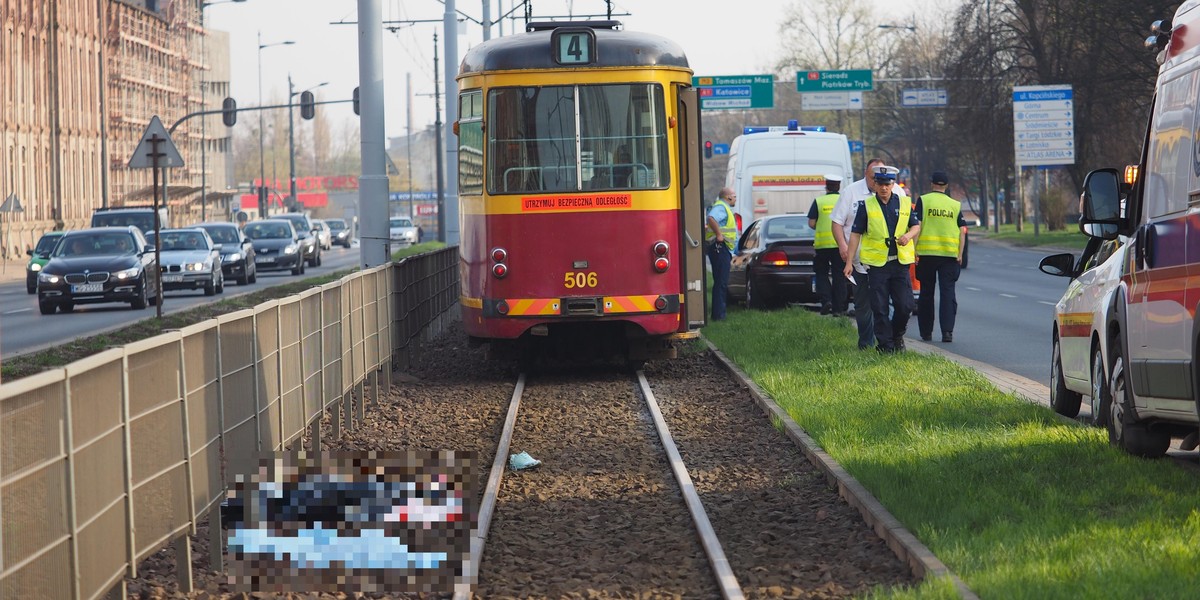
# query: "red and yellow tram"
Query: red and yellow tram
580,189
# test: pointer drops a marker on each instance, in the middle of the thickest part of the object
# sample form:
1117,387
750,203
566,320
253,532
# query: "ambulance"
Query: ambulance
1152,319
781,170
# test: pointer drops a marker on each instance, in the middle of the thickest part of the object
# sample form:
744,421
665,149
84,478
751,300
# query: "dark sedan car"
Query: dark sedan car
237,251
104,264
774,263
276,245
189,261
307,235
339,231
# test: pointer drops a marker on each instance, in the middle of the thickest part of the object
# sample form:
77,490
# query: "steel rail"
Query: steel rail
487,507
730,590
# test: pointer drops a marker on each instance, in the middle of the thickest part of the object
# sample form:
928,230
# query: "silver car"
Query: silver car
189,261
402,231
324,236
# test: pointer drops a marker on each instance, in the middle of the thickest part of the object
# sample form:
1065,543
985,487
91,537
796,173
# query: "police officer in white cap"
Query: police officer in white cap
828,260
886,228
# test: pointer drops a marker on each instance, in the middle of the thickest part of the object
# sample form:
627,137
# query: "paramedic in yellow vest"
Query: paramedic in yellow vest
939,248
828,260
720,239
884,236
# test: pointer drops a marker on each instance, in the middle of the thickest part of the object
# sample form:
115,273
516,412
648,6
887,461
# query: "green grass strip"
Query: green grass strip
1015,502
1069,238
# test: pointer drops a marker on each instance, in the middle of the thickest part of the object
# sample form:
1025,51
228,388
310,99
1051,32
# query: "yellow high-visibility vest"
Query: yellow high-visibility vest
939,225
824,237
728,228
874,249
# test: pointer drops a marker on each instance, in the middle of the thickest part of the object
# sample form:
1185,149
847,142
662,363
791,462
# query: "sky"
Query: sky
720,37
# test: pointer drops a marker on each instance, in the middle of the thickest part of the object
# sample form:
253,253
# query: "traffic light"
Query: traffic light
229,112
356,101
707,149
308,106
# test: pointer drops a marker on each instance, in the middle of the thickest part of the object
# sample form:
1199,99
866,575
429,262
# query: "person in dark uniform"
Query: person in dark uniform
939,252
885,228
828,260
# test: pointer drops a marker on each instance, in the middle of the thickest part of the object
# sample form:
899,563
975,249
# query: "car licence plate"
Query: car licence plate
87,288
264,259
172,278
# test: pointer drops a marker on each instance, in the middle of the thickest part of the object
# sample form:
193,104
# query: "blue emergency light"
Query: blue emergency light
791,126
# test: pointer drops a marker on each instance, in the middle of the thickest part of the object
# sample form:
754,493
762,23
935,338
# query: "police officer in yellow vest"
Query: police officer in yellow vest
940,247
828,260
720,238
886,227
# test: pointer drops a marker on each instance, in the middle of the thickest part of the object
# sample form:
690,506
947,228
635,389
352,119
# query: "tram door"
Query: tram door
691,179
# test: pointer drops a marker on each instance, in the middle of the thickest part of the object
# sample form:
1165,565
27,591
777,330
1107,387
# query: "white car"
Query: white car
1080,352
324,236
402,231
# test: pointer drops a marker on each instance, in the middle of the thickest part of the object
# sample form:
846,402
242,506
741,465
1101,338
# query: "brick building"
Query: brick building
79,81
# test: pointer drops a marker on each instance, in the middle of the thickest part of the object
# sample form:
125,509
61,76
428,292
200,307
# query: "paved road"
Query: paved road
1005,310
24,329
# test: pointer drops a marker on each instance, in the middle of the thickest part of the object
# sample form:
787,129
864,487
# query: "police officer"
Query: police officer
848,203
720,239
886,227
940,248
828,260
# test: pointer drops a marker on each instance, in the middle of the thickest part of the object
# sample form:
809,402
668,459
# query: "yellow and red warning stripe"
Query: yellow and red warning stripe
629,304
1075,325
522,307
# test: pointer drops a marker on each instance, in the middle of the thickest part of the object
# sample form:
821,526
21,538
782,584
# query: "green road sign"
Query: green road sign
854,80
736,92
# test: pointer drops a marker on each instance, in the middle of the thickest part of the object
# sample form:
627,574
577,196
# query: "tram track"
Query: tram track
648,410
589,522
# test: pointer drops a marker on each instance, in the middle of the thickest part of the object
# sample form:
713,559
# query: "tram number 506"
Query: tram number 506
579,280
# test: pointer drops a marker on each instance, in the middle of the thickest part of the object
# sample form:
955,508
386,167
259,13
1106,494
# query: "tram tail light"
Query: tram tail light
499,254
661,264
774,259
499,270
661,248
660,303
502,307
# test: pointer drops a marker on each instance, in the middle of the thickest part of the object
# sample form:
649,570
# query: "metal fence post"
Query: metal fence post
182,544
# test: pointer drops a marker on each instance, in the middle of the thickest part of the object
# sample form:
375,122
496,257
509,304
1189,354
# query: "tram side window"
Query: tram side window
470,143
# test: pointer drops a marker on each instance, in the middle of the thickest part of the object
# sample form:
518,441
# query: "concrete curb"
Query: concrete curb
907,547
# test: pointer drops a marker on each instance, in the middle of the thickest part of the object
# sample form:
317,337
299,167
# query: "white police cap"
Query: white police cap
832,177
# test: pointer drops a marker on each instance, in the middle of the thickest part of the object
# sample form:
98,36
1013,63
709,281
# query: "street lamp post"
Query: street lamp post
262,159
291,136
203,101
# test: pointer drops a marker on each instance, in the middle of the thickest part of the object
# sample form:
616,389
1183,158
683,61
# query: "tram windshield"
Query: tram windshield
577,138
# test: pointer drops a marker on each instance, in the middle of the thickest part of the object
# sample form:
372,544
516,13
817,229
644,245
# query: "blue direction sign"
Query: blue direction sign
720,148
856,146
1044,125
736,92
915,97
854,80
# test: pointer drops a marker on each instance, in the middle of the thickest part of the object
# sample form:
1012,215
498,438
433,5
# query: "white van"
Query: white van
780,170
1153,340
